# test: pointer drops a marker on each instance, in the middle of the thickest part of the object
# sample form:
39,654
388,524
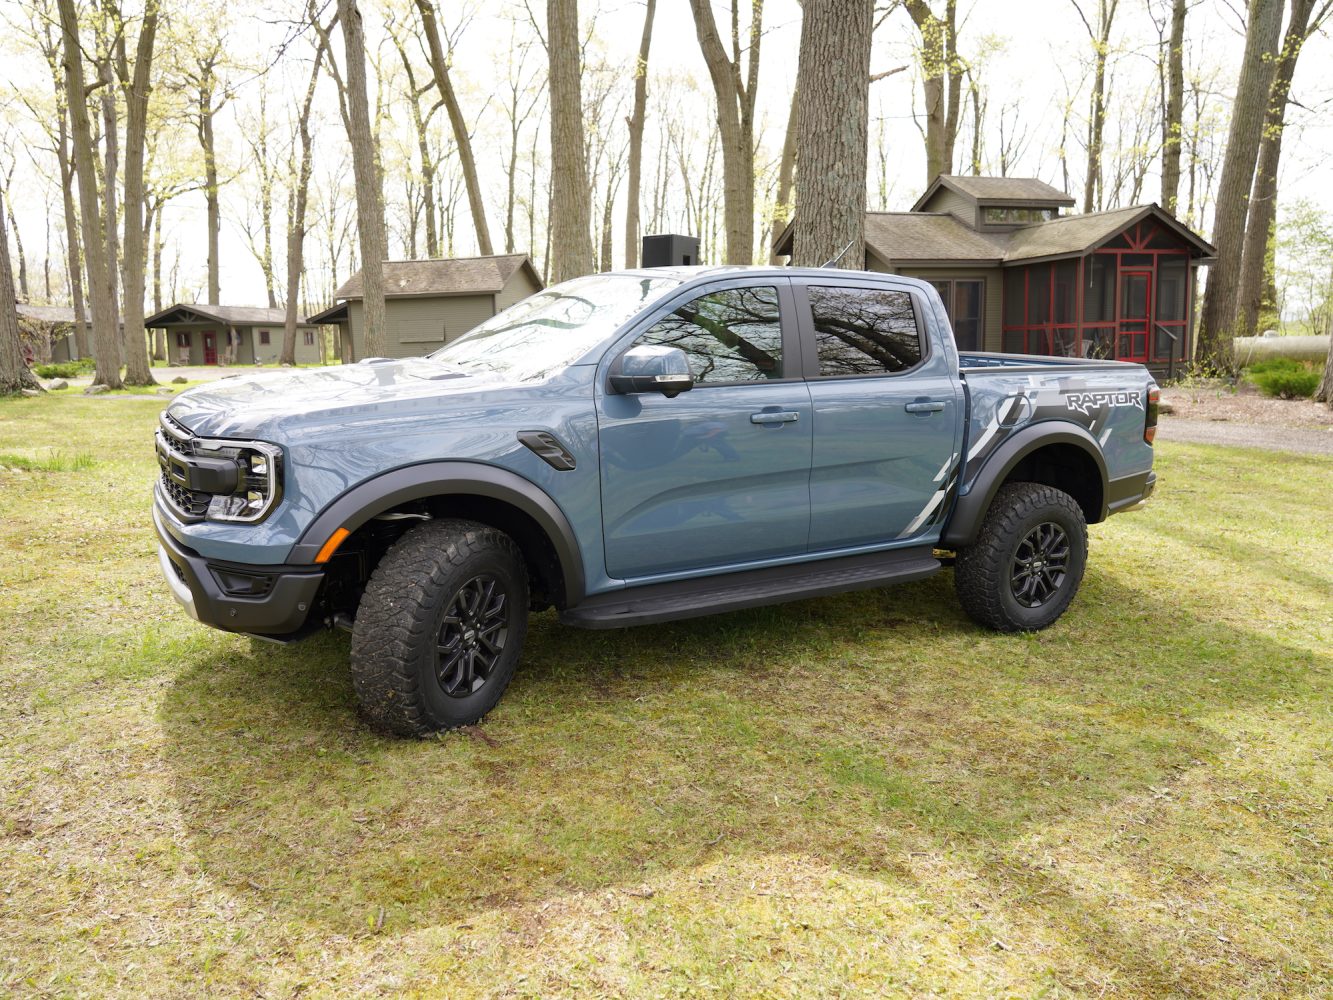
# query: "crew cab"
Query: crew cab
636,447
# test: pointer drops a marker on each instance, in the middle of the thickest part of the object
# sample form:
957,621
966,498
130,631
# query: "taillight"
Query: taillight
1150,416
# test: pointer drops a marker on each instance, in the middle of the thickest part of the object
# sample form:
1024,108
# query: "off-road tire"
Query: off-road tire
403,612
985,572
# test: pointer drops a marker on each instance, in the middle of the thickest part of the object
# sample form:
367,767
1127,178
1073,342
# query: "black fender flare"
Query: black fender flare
970,510
431,479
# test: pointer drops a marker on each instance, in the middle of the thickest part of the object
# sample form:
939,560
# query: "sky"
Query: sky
1032,53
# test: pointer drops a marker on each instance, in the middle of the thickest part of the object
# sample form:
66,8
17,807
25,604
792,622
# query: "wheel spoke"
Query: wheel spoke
1040,560
471,637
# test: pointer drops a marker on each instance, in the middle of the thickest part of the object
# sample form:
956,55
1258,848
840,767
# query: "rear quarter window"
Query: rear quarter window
864,331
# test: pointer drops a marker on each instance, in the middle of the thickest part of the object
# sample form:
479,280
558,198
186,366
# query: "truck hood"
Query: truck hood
276,405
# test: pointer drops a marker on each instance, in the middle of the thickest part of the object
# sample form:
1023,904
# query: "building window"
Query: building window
729,336
964,302
864,331
309,338
263,336
182,339
1005,215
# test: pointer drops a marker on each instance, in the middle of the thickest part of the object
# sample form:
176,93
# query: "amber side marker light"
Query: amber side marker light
331,546
1150,415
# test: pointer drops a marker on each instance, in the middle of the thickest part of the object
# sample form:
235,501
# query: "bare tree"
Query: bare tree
137,85
259,134
833,93
524,97
202,77
571,202
421,126
101,291
1218,318
1099,35
365,170
736,85
941,81
1256,270
297,201
636,122
1171,71
462,137
782,206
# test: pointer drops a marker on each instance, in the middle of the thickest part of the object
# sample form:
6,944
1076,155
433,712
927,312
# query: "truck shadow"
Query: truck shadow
856,730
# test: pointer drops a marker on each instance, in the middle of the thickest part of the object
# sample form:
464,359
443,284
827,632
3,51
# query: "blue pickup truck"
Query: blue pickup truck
638,447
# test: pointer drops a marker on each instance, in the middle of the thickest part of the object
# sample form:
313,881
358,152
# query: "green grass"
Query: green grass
862,795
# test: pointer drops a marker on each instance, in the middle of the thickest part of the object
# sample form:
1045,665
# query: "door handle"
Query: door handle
771,417
925,406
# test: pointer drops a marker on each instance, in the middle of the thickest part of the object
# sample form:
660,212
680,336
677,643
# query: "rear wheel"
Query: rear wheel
440,627
1028,559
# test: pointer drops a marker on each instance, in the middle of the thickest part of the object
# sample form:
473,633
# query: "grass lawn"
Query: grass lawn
861,795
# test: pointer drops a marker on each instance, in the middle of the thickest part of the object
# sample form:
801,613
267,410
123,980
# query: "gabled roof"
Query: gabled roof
336,313
919,236
922,238
447,276
1010,190
45,314
194,312
1077,234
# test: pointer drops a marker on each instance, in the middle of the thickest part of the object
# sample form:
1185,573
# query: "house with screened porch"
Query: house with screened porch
1018,274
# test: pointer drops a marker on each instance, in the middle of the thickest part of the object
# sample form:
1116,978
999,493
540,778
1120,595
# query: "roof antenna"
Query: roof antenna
841,254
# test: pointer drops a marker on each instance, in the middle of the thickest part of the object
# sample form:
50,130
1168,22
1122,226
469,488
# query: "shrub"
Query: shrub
63,369
1284,378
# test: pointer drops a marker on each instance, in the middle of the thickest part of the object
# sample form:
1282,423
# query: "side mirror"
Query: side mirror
652,368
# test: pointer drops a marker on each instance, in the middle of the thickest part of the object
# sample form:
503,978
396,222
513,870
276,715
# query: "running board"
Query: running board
735,591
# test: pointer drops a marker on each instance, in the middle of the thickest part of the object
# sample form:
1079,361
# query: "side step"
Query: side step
712,595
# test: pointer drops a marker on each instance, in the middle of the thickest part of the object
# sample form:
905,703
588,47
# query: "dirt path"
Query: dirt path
1309,440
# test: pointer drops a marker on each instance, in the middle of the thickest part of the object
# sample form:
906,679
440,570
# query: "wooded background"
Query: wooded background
251,152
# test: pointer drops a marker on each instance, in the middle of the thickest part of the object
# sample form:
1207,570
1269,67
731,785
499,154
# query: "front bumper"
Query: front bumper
262,600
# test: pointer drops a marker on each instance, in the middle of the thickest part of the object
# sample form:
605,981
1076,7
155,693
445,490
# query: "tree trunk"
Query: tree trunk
101,291
296,226
941,82
1100,37
15,375
1324,394
18,245
571,251
110,186
1256,256
833,93
369,197
786,170
204,129
476,205
1173,106
735,98
138,86
636,122
1218,319
73,261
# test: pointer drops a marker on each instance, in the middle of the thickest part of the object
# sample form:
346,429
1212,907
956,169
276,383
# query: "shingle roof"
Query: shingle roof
929,236
1012,189
1070,233
454,276
230,315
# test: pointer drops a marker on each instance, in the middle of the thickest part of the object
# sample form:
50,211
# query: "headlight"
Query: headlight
258,483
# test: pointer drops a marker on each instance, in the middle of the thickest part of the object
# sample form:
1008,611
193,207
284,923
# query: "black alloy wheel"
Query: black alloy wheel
472,636
1039,565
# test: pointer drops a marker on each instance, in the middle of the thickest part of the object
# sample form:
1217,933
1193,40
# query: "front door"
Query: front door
720,475
210,348
1135,311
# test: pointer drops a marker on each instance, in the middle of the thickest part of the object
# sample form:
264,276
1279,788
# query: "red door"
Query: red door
210,348
1135,313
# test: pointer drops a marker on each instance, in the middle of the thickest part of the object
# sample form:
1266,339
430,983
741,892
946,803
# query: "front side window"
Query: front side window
864,331
734,335
263,336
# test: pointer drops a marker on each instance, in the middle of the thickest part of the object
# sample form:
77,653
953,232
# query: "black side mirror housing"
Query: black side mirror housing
652,368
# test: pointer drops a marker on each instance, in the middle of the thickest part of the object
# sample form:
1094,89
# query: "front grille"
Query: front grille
188,503
175,438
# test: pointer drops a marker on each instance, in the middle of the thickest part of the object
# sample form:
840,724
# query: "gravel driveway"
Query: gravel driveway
1309,440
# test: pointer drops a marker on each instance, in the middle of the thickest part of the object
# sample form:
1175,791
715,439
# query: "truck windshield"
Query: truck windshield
550,330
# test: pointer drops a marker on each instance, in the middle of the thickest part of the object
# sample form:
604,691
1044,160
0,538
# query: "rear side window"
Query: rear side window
864,331
729,336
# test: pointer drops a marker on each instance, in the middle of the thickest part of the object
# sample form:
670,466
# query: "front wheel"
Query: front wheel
439,629
1027,562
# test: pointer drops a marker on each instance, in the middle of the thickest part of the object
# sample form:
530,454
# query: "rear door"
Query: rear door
887,413
717,476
